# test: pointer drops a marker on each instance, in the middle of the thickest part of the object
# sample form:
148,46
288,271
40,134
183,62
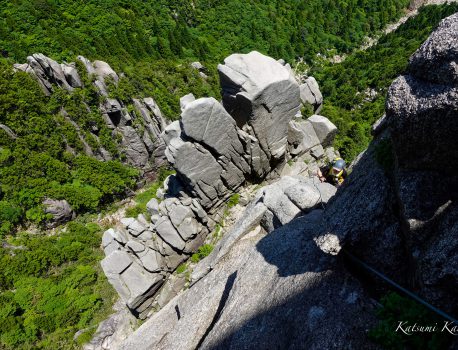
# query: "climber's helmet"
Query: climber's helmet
338,165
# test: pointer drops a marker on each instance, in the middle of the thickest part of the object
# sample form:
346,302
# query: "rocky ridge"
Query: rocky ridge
143,150
214,154
396,211
138,131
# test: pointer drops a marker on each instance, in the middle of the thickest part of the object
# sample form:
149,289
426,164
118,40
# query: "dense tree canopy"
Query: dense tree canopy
51,286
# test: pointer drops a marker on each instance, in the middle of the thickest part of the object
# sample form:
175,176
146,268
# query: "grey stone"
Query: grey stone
71,75
151,261
103,70
188,228
186,100
112,331
260,93
304,196
206,121
117,262
152,206
301,137
170,289
60,210
111,247
141,285
317,152
169,234
8,131
435,60
198,66
325,130
179,213
311,94
135,149
135,246
229,308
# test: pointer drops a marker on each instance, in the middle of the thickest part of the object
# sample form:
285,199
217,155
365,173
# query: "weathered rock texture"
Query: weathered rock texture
214,154
141,254
138,130
60,211
249,137
274,291
311,94
402,217
270,284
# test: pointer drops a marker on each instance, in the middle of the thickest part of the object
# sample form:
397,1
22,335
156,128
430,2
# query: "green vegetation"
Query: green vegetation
54,287
37,164
344,85
123,32
395,309
181,268
233,200
51,287
149,192
202,252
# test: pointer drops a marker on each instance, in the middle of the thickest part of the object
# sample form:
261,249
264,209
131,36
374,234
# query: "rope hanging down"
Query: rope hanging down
397,286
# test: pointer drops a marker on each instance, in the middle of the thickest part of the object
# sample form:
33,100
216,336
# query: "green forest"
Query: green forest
51,286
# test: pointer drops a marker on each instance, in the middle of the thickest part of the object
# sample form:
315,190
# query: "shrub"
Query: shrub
233,200
202,252
396,308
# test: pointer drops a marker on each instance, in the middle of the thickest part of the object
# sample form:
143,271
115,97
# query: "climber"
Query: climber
335,172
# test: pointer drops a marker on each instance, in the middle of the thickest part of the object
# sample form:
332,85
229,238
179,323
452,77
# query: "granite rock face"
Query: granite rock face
262,96
270,291
247,138
422,106
274,284
400,215
214,156
140,255
139,131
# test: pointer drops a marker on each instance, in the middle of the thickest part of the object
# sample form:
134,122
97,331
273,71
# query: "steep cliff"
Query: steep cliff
286,286
216,149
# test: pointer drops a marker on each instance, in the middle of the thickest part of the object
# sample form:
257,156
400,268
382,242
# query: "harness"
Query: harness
337,178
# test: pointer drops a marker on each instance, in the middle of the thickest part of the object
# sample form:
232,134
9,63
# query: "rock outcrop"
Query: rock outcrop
141,254
398,208
139,131
214,153
60,211
311,94
270,284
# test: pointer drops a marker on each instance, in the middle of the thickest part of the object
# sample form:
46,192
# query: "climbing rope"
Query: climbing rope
370,269
398,287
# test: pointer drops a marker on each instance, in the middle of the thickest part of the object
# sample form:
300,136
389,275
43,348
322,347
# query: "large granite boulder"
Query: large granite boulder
262,96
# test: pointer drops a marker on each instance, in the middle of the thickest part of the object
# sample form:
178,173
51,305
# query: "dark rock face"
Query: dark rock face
278,291
402,220
422,107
